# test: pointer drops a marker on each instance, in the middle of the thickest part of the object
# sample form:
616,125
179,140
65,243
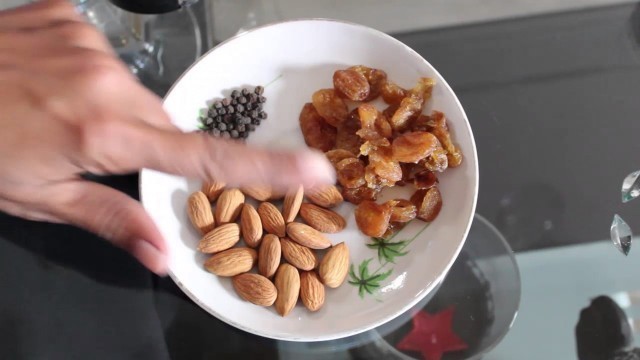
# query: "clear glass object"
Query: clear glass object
621,235
156,48
631,186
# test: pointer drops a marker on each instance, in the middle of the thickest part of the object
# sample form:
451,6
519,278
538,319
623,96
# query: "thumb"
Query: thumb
114,216
199,155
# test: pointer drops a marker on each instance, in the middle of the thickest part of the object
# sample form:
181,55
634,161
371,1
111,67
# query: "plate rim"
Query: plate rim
429,288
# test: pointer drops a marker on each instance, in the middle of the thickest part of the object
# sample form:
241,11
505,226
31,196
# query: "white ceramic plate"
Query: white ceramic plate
295,59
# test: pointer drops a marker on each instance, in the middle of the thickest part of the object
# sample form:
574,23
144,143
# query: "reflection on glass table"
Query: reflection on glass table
469,313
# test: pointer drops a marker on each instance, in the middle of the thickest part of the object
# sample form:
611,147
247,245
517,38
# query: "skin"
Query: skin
69,106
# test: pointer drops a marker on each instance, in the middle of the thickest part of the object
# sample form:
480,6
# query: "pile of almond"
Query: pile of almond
285,252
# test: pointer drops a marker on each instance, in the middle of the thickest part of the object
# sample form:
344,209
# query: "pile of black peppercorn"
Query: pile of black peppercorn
237,115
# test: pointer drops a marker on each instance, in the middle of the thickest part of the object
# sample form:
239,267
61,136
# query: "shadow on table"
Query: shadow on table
192,333
56,245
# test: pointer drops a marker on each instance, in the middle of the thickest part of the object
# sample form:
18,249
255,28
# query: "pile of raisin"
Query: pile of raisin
234,117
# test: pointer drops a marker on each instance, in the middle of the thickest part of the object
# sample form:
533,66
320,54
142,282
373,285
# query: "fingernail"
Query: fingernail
316,169
151,257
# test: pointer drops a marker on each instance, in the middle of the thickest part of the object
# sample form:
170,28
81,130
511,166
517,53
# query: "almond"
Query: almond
229,206
311,290
287,283
307,236
213,189
232,262
258,192
199,211
269,255
297,255
255,288
251,225
334,266
291,205
221,238
272,220
326,196
322,219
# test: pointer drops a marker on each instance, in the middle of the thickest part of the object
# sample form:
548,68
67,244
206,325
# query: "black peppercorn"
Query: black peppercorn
239,108
215,132
251,127
222,126
245,91
213,112
261,99
234,134
242,100
253,98
241,128
235,94
226,102
208,121
217,104
222,111
259,90
225,135
262,115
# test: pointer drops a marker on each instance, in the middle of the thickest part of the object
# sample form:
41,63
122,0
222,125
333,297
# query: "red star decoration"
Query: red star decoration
432,335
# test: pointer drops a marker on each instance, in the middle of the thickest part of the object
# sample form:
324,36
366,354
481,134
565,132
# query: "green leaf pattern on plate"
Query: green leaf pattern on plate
388,251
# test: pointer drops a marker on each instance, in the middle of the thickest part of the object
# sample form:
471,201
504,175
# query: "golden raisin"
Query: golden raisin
403,211
368,115
389,111
414,146
330,106
425,179
441,131
315,130
384,167
438,161
408,171
412,105
352,84
376,78
347,138
350,173
392,93
428,202
360,194
373,219
383,127
422,123
373,124
335,156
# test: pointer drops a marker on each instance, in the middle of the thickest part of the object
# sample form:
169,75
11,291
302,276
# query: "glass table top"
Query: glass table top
551,92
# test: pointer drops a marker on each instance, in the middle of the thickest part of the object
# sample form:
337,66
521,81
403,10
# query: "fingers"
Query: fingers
38,14
148,108
199,155
113,216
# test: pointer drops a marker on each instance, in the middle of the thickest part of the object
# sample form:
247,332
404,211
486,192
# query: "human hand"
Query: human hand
69,106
